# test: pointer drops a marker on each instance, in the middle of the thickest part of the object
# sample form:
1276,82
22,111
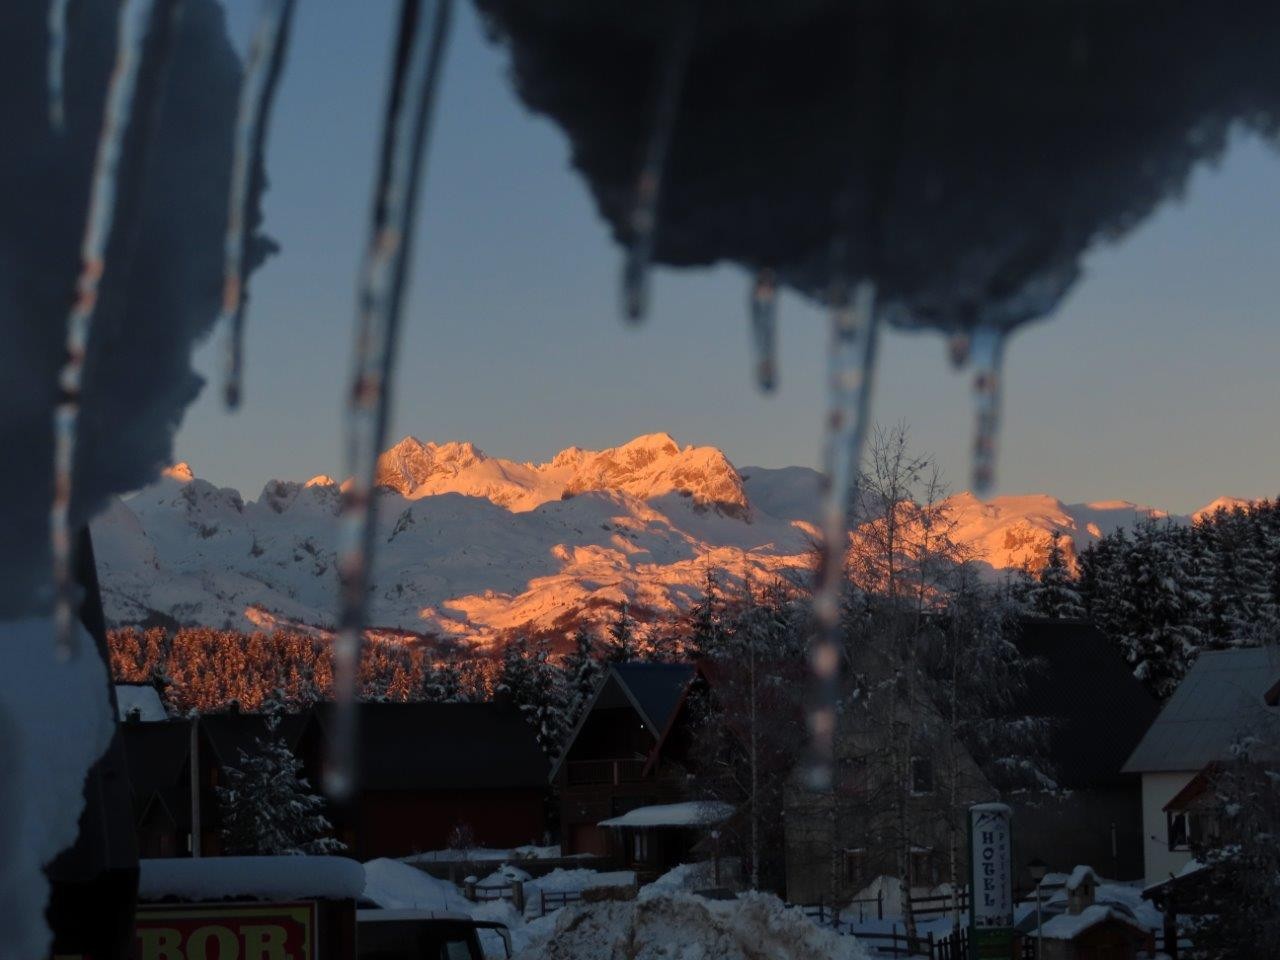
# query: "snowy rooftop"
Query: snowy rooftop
1068,926
1220,698
140,700
693,813
253,878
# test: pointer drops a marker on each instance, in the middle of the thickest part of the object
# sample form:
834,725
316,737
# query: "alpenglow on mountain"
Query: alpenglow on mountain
473,547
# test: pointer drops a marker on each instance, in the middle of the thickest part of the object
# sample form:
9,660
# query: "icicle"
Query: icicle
958,349
643,219
57,61
851,375
414,80
142,24
257,91
988,358
764,328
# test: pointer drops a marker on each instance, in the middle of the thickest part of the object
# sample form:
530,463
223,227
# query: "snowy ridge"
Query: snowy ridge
473,547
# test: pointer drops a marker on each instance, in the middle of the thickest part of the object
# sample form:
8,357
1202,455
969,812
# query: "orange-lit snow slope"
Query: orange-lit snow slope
473,547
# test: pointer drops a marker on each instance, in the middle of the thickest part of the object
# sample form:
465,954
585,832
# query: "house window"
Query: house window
855,866
640,847
921,775
1190,829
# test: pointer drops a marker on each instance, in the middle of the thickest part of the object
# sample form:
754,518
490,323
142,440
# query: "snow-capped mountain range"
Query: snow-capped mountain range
474,547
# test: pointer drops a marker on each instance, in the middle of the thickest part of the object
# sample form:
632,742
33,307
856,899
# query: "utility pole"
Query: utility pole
193,755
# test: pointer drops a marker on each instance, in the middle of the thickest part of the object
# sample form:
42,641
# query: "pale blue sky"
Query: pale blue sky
1155,382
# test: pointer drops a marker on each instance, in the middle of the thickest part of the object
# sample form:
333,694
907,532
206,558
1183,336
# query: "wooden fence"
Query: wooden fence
556,899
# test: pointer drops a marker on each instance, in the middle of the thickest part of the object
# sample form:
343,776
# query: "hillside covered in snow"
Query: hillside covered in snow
474,547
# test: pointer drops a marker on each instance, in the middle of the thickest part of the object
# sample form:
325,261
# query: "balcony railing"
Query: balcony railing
583,772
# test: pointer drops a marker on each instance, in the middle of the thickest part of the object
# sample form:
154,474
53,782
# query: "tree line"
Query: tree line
1164,591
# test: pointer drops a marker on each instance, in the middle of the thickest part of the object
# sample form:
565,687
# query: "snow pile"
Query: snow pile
393,885
137,701
472,854
55,721
259,878
686,876
560,880
693,813
683,927
504,875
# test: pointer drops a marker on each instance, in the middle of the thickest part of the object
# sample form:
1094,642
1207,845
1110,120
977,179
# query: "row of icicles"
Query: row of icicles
148,28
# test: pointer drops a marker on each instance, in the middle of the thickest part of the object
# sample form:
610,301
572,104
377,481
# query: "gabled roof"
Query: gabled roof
140,699
155,754
446,746
230,732
654,690
1220,699
1099,710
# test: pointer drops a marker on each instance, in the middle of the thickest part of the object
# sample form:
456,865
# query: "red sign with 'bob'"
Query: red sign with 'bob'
232,931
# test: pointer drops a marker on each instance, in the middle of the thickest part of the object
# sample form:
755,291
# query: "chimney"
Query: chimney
1081,887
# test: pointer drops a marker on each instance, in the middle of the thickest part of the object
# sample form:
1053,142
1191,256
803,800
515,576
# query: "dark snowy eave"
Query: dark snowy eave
252,878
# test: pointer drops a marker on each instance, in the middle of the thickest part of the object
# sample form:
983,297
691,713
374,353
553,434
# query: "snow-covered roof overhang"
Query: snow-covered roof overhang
1068,926
251,878
693,813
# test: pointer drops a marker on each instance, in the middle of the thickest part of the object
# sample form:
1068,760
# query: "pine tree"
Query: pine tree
1241,857
515,679
1162,640
1054,594
621,646
267,806
443,684
706,620
545,704
582,674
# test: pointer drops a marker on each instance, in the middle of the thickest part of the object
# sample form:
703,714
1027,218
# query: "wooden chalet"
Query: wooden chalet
624,754
426,769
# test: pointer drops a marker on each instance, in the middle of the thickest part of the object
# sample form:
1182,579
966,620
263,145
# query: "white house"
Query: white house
1225,695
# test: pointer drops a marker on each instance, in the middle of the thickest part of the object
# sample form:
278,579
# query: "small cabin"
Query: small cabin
1092,931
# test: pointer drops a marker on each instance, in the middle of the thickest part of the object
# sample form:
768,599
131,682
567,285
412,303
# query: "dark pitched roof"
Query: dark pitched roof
446,746
1222,697
1100,709
155,754
655,688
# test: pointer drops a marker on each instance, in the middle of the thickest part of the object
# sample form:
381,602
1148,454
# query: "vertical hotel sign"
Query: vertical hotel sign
991,881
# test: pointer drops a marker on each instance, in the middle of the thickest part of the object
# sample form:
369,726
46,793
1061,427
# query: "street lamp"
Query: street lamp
1037,869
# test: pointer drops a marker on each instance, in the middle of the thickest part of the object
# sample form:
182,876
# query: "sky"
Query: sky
1154,382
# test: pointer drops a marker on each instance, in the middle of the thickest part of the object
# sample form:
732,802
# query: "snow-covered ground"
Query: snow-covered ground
664,921
681,926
